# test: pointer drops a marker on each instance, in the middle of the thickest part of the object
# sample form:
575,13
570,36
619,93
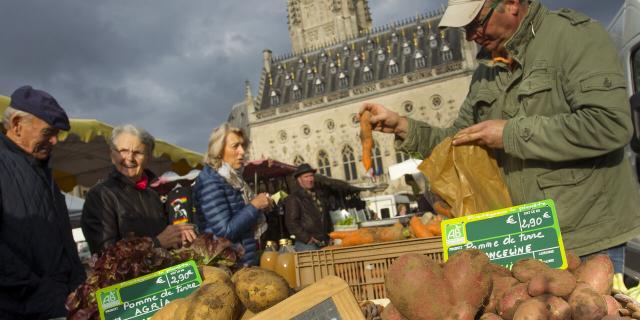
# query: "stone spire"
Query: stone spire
315,24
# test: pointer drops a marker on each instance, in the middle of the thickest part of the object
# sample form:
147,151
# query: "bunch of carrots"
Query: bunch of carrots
416,229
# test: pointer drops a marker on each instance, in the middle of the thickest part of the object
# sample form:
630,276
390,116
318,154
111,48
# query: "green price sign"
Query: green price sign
508,235
141,297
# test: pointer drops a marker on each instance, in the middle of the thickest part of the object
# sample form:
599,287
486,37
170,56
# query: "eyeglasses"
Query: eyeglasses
482,23
134,153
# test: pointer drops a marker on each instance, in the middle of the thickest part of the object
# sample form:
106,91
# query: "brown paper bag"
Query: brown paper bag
466,177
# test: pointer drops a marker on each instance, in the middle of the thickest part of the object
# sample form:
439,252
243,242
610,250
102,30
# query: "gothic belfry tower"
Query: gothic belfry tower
317,23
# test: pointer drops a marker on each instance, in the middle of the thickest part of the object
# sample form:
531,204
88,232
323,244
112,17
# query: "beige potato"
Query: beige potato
259,289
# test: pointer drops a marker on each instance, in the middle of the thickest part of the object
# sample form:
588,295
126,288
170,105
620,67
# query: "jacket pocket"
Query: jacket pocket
576,192
482,102
536,92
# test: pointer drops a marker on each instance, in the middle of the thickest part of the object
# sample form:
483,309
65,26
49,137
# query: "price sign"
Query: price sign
510,234
141,297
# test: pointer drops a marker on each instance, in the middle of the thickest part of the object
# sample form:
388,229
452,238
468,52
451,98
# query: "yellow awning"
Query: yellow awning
82,155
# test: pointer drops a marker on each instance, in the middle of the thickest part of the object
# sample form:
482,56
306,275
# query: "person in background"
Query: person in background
225,203
549,99
39,263
305,214
402,209
124,204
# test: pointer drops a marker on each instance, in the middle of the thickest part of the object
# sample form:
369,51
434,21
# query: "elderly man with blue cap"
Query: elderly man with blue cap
549,99
40,264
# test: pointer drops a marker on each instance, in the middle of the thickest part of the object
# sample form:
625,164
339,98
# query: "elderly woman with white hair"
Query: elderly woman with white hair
124,203
225,204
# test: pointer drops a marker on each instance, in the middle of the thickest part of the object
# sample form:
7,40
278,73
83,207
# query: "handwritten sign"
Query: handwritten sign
510,234
141,297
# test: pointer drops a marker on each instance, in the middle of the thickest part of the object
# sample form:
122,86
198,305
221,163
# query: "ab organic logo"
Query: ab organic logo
455,234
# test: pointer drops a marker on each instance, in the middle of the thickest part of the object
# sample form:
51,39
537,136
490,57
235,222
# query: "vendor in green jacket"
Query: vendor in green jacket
549,98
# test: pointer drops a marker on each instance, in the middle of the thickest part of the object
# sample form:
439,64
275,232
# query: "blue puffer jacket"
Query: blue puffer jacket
221,210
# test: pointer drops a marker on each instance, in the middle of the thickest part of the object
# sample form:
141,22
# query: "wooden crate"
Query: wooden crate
362,267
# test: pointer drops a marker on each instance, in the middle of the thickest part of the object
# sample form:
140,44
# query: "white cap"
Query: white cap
460,13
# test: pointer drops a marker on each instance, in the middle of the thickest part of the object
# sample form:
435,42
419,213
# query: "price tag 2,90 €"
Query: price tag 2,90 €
141,297
508,235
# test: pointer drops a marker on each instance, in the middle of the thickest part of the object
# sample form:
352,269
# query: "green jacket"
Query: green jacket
568,122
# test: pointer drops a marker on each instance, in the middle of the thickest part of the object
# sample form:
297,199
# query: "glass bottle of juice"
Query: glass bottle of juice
285,266
269,257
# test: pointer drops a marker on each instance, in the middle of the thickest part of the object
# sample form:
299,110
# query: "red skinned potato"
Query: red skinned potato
509,302
597,271
416,287
612,305
560,282
525,269
499,286
586,303
391,313
532,309
462,311
573,261
537,285
559,308
467,273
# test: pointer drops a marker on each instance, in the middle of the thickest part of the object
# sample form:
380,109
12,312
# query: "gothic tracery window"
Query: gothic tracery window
324,165
349,164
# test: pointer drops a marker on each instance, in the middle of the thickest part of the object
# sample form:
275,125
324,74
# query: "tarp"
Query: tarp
82,156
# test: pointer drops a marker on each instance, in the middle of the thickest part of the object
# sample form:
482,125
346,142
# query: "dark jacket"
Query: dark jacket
220,209
568,121
304,220
39,264
115,208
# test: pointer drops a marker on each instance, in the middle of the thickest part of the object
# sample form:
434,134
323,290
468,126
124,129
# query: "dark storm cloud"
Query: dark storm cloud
173,67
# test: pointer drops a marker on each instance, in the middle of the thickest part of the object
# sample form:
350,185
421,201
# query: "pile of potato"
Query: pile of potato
225,297
469,287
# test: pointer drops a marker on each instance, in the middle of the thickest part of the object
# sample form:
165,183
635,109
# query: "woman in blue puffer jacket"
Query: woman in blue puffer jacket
225,204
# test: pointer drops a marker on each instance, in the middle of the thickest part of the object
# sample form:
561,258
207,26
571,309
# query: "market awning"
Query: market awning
82,155
266,169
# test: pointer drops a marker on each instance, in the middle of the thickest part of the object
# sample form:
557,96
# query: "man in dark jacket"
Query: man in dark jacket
305,215
39,260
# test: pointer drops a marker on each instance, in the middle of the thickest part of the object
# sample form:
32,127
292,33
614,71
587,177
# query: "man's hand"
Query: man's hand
487,133
385,120
174,236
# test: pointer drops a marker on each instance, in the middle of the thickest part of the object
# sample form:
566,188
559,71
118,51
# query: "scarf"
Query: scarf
234,178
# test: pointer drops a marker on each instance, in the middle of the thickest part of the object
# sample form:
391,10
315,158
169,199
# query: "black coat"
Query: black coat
114,209
39,264
304,220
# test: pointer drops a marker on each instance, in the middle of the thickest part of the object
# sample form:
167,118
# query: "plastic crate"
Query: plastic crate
362,267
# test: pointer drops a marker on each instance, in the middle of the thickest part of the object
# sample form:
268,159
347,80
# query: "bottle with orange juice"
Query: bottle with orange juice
285,266
269,257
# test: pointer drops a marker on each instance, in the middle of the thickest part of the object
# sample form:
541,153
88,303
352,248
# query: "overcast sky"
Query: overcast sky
174,67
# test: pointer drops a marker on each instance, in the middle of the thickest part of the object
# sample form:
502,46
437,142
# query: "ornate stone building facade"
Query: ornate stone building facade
306,106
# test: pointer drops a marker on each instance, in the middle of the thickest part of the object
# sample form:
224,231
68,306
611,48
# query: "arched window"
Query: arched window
401,156
349,163
298,160
378,169
324,165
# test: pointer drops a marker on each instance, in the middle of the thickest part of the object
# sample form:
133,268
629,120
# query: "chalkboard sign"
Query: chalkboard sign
510,234
325,310
141,297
